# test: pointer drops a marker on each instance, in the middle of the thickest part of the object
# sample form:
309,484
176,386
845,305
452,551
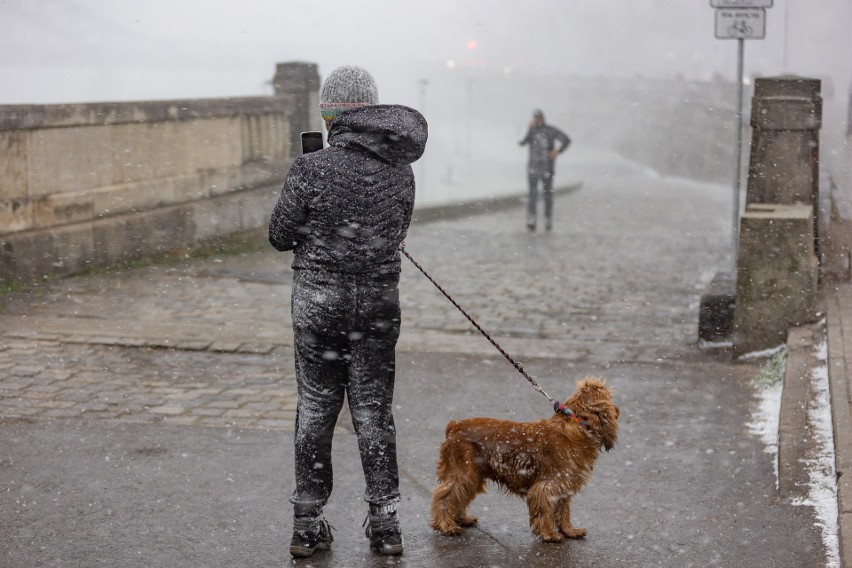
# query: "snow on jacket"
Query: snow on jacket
542,140
347,208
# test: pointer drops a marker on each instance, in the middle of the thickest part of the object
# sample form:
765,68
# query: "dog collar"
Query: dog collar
559,407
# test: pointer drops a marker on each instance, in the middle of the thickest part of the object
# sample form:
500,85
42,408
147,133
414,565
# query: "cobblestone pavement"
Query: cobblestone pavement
208,341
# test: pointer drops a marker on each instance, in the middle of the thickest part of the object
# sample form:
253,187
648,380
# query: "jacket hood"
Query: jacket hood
394,133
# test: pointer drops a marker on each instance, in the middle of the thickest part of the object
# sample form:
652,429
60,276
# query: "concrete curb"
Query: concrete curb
839,331
794,437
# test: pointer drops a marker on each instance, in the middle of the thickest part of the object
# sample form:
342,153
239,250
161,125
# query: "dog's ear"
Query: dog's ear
602,419
609,429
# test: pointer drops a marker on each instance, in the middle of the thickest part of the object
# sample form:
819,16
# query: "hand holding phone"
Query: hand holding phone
311,141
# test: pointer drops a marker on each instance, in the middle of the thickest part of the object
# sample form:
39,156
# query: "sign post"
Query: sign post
739,20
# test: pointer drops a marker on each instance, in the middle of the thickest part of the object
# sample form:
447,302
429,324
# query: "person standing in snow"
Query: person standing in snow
344,211
542,139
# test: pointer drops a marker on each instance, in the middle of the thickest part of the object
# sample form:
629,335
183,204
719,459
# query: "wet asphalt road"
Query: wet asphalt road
146,415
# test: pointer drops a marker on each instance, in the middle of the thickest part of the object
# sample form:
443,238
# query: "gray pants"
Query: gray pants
345,332
547,187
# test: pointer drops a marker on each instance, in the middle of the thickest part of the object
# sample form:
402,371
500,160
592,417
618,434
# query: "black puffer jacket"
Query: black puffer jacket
347,208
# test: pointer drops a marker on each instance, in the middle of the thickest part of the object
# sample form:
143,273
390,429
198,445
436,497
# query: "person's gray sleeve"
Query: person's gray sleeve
288,224
563,139
526,139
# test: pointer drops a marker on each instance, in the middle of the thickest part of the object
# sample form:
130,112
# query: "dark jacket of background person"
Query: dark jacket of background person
542,141
347,208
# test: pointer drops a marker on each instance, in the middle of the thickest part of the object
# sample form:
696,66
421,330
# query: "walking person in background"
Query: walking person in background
542,139
344,210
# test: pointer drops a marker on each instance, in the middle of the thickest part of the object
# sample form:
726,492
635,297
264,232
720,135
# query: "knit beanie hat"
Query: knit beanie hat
345,88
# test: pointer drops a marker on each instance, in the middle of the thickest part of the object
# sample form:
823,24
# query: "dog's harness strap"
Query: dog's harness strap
557,406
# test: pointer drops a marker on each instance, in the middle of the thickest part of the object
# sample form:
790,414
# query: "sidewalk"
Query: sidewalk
839,320
146,415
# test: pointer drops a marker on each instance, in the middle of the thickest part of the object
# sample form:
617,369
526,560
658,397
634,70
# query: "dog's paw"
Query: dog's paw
574,532
468,521
552,537
456,531
447,529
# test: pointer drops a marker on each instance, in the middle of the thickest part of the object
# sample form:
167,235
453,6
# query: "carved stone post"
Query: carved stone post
786,117
301,81
776,275
777,266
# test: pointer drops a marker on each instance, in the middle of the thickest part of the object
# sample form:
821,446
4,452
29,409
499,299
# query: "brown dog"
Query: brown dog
546,462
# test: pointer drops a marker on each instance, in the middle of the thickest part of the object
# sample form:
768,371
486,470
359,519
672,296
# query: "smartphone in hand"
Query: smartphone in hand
311,141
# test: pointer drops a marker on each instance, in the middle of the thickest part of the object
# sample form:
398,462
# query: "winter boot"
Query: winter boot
384,533
309,535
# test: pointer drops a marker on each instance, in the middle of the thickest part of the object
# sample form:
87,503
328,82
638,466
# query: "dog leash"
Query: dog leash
557,406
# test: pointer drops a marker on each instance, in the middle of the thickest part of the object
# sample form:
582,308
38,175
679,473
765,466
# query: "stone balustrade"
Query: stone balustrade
86,185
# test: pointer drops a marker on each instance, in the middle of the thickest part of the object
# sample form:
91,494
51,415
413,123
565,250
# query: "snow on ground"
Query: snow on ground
822,494
766,416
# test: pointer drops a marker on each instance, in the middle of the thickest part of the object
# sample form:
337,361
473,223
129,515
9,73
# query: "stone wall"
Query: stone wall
94,184
87,185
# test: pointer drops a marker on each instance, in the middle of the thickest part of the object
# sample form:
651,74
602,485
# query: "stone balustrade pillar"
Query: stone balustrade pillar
786,117
302,81
777,263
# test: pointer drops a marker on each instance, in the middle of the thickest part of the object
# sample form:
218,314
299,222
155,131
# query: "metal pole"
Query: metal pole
739,148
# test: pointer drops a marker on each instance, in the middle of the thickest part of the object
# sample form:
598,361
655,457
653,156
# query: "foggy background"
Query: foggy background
475,68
